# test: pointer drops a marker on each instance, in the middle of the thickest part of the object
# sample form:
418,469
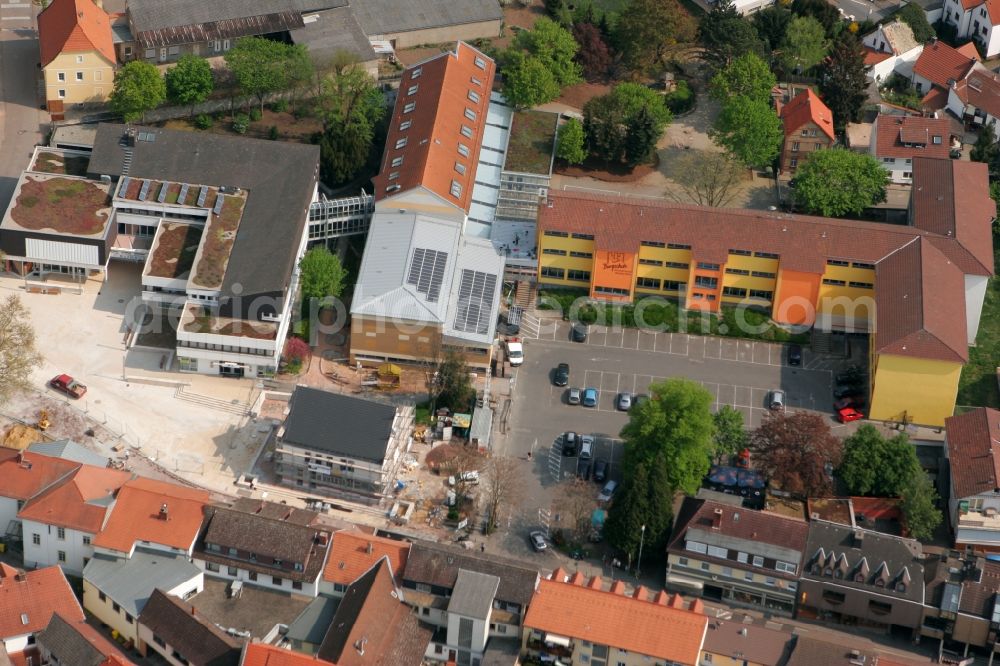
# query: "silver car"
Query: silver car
573,396
538,541
624,402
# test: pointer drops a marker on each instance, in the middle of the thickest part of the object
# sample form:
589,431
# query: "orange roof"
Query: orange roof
969,50
26,474
873,57
807,107
136,516
940,64
260,654
660,627
71,502
447,109
353,553
72,26
28,600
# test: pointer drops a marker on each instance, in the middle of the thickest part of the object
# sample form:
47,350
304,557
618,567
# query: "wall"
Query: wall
47,552
795,298
264,581
16,644
898,168
856,604
613,276
8,511
405,341
419,200
798,146
98,78
763,588
480,633
846,296
565,253
105,612
147,643
922,389
975,295
440,35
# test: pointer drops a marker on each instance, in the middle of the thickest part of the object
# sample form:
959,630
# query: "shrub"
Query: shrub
300,111
279,105
681,100
272,133
255,114
453,513
296,349
241,123
293,367
203,121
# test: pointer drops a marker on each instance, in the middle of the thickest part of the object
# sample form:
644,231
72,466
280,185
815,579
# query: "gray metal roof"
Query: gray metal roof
380,17
336,30
339,424
131,582
156,14
473,594
280,176
67,449
314,620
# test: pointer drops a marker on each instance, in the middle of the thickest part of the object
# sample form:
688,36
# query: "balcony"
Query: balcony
550,648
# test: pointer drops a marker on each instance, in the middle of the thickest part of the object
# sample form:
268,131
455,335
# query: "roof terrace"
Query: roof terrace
59,204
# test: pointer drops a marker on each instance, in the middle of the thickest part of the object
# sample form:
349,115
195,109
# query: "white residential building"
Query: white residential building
977,20
896,40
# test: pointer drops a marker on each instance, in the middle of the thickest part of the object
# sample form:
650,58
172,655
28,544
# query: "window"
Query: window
412,90
907,174
459,167
61,93
128,51
151,53
793,163
277,582
128,618
396,161
748,576
727,571
611,291
409,106
770,581
470,114
705,566
763,274
742,253
862,285
707,658
758,561
765,255
837,262
647,283
480,63
225,44
474,96
61,76
671,285
652,244
716,551
475,81
79,59
834,283
683,561
456,188
888,160
549,250
79,76
786,567
405,125
556,273
735,292
742,558
466,131
159,641
805,132
296,585
795,146
579,276
557,234
831,597
86,540
581,255
231,571
400,142
650,262
36,539
212,566
678,246
463,150
936,140
589,237
706,282
706,266
393,175
61,533
163,53
61,555
115,607
252,575
858,264
415,74
762,294
737,271
695,547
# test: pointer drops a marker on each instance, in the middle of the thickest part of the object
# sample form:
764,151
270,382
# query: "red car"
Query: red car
68,385
848,414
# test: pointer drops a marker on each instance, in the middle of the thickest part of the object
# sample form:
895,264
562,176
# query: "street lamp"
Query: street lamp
638,562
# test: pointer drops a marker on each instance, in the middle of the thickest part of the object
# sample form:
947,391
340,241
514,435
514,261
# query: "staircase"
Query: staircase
126,162
524,294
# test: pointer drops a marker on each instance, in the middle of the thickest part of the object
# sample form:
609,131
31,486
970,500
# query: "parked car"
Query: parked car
776,400
624,401
600,470
68,385
471,477
794,355
538,541
590,397
515,352
586,447
848,414
570,443
573,396
561,377
847,391
579,332
607,491
583,468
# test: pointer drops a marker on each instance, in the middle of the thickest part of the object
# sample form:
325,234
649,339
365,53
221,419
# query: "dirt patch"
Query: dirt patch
578,95
66,165
596,169
408,57
175,250
289,127
65,205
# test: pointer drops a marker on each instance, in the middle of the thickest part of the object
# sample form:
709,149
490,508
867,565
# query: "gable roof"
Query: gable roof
180,625
29,599
136,516
155,23
79,501
352,553
262,654
804,108
26,474
911,136
940,64
339,424
443,91
973,441
661,627
899,37
76,643
67,449
380,17
74,26
473,594
981,89
373,625
438,565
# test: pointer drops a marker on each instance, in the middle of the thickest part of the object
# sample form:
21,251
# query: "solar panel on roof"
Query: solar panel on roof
144,192
126,181
427,272
162,196
202,195
475,302
220,198
183,195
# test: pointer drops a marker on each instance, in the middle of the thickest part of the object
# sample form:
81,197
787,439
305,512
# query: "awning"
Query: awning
555,639
685,582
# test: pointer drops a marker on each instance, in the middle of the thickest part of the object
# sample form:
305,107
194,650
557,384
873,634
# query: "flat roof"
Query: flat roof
65,205
60,161
196,319
174,248
532,142
339,424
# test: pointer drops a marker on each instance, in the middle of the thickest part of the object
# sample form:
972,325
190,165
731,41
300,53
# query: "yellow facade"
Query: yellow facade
745,274
919,391
79,77
845,289
565,253
105,612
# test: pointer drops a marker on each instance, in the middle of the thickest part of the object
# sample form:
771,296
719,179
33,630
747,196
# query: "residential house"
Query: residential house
891,47
863,578
66,642
808,126
373,625
25,475
353,552
976,98
961,602
577,621
897,140
433,578
734,643
176,631
938,68
77,54
976,20
61,522
807,271
341,445
115,589
972,447
286,552
740,556
28,601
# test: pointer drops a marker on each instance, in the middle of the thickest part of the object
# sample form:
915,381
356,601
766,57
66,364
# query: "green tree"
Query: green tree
660,503
805,44
527,81
875,465
986,149
746,76
322,277
647,30
570,143
837,182
350,108
915,17
455,389
771,24
553,46
189,82
726,35
138,88
843,84
821,10
919,506
676,424
729,435
18,355
263,66
750,130
629,511
624,125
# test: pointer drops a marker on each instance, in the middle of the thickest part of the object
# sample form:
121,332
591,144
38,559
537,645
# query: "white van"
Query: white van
515,353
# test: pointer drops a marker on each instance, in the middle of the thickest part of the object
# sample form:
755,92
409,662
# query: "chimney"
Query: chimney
369,548
163,511
859,538
716,519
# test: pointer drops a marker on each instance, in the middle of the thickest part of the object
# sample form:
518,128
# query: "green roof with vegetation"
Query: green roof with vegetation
532,142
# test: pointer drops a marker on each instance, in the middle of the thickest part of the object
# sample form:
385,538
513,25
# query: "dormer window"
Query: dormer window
396,161
879,582
476,82
859,578
466,131
456,189
405,125
253,557
474,96
277,562
400,143
412,90
463,150
480,63
937,140
470,114
298,566
901,587
416,73
409,107
213,547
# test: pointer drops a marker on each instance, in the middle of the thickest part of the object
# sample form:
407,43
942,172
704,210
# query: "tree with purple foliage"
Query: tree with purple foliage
594,55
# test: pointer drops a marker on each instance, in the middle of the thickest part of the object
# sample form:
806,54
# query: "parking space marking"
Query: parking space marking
615,338
726,395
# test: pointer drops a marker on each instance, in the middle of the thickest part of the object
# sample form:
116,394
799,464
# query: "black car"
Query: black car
579,332
583,469
794,355
561,377
570,444
600,470
847,391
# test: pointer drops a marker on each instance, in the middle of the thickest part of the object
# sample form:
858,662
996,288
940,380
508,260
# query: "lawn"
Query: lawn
978,385
65,205
532,142
71,165
175,251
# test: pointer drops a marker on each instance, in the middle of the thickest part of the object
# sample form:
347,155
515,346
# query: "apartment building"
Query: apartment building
973,452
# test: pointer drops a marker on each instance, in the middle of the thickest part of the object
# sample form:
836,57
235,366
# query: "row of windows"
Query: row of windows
98,76
706,282
739,292
563,253
252,575
36,539
667,264
741,557
855,264
748,576
844,283
563,274
653,283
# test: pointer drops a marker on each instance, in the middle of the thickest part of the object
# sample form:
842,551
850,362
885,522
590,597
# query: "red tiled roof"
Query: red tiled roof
661,628
873,57
920,311
969,50
26,474
352,553
981,89
136,516
70,502
430,153
807,107
28,600
260,654
911,136
72,26
935,100
973,441
940,64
